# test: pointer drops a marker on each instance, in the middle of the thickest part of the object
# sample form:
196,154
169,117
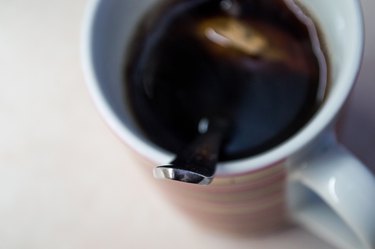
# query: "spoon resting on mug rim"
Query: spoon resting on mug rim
197,162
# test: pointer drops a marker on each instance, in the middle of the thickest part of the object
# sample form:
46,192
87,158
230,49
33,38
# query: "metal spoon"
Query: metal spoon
197,162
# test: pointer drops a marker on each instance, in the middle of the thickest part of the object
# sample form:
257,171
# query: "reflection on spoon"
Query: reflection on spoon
197,162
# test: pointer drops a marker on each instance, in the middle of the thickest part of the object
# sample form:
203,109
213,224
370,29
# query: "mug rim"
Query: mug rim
277,154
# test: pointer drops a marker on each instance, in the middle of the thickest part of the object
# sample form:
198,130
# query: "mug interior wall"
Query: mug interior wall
335,22
111,32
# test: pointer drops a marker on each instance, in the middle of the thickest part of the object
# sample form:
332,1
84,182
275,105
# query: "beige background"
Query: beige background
67,182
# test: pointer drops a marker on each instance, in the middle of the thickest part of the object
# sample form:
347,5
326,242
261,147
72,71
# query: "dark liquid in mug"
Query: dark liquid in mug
183,71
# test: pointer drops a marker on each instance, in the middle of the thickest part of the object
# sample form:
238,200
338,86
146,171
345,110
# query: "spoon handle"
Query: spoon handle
197,162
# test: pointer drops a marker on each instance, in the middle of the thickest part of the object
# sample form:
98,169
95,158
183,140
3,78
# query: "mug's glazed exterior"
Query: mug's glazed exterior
251,203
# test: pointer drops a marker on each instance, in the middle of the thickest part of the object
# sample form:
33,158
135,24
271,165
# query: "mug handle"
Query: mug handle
332,194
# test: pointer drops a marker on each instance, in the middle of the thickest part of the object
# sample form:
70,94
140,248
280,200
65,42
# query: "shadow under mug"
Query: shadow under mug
309,179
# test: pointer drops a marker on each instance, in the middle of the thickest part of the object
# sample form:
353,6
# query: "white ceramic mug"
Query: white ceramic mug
309,178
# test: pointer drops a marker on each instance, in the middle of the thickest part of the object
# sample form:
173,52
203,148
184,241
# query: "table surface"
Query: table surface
67,182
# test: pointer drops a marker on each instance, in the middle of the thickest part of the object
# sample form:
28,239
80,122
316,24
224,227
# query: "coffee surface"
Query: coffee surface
251,62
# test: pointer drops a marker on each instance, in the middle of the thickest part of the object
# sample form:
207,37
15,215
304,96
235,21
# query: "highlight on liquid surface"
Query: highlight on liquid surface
255,63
